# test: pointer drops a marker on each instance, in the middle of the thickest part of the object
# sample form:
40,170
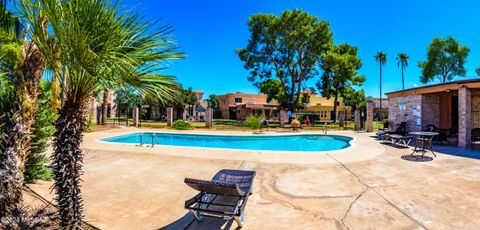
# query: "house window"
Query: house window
238,100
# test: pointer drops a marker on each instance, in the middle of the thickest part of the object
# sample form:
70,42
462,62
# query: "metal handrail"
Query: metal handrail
153,139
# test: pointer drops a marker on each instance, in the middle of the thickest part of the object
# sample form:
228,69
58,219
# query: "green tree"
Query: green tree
355,98
445,59
402,59
213,101
285,48
477,70
274,90
381,58
189,99
101,44
126,99
340,66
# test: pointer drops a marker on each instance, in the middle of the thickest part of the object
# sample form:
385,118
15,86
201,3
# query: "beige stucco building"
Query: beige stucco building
324,107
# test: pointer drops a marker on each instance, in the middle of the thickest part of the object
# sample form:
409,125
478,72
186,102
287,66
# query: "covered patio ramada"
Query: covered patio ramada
451,106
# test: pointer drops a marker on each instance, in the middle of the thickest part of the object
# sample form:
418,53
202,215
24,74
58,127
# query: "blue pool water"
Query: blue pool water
310,143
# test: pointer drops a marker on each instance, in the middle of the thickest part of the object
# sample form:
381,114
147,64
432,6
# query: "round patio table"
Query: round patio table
424,139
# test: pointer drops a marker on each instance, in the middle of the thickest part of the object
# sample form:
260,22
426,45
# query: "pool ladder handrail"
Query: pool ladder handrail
153,139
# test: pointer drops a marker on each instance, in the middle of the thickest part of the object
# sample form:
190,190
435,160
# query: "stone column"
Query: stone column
464,117
357,120
341,118
135,116
370,106
185,111
169,116
282,117
209,118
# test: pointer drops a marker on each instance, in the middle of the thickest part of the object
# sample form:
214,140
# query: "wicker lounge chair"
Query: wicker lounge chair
223,197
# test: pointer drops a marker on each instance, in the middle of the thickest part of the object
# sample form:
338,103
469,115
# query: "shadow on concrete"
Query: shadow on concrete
188,222
457,151
416,158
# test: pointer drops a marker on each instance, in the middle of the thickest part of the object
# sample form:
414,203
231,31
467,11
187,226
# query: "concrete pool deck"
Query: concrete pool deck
367,186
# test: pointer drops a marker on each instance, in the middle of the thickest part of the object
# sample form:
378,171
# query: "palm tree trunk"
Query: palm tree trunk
104,107
403,79
55,100
380,114
19,130
67,162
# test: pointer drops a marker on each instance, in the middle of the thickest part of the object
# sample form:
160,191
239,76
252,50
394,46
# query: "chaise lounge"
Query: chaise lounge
223,197
398,137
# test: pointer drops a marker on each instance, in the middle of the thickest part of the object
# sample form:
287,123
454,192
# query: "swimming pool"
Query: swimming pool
303,142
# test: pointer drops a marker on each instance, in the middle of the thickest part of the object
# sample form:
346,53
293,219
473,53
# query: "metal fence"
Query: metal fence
124,117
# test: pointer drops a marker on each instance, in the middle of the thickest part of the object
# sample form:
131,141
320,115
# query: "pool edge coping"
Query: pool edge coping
352,142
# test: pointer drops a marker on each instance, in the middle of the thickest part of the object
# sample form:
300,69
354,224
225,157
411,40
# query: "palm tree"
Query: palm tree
101,45
381,57
403,62
18,130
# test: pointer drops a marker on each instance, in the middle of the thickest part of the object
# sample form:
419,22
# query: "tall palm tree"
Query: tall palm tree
18,130
101,45
381,57
403,63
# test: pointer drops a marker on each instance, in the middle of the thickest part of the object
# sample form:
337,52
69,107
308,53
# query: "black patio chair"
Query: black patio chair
386,126
424,143
223,197
431,128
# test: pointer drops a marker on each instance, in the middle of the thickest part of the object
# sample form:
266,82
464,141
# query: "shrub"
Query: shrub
181,125
253,122
36,165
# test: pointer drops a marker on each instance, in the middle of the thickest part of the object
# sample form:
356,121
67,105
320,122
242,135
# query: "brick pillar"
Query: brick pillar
135,116
464,117
169,116
185,111
357,120
209,118
283,117
370,106
341,118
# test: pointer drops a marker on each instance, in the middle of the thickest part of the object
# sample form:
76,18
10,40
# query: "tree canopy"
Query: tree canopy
286,48
213,101
445,59
355,98
402,59
340,66
128,98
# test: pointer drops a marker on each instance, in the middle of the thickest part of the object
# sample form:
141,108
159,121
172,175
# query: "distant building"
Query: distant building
196,112
324,107
238,106
96,106
380,113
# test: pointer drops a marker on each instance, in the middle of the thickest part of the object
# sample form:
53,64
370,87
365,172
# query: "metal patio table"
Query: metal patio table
423,140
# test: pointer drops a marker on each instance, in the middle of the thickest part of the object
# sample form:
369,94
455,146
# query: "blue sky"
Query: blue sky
208,32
